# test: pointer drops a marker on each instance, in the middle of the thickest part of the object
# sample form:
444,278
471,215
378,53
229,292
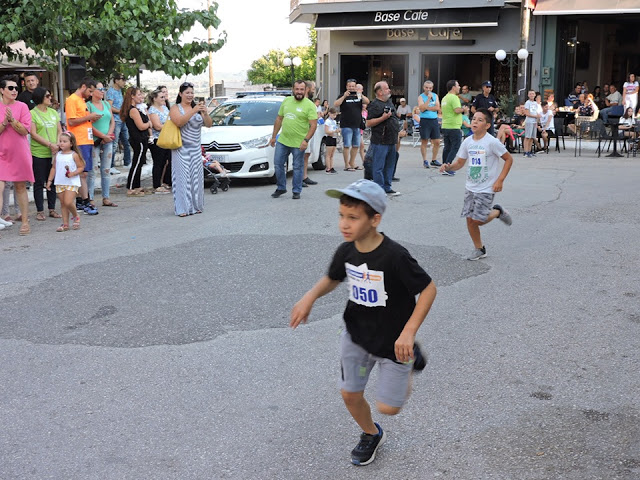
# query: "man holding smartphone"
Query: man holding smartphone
385,127
350,104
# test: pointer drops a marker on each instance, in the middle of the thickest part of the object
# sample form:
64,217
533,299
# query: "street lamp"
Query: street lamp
293,63
511,62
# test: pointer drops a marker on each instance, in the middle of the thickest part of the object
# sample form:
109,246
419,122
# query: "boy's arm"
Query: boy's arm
301,310
404,343
508,161
456,165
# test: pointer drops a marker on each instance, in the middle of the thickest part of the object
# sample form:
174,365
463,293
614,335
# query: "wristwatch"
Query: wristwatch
307,140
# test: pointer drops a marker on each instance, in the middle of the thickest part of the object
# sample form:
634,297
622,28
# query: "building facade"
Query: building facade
406,42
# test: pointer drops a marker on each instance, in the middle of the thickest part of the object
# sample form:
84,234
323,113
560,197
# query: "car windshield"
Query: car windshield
246,113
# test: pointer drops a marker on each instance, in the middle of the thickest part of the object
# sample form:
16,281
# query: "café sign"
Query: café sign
410,19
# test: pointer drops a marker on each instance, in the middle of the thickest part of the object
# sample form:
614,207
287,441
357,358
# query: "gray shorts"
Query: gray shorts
477,205
530,130
356,365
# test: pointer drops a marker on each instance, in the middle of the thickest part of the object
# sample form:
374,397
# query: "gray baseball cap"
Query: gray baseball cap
365,190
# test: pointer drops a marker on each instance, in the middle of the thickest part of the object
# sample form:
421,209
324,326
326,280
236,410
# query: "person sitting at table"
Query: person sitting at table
573,98
613,102
627,123
587,112
546,126
551,103
597,95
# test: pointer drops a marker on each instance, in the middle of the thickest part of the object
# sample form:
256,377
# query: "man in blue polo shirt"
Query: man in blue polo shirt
429,106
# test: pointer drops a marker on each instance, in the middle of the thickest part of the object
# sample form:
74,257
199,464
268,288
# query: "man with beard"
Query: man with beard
31,82
350,105
79,121
298,118
385,127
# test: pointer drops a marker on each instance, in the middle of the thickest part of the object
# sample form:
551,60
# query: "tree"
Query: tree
113,35
270,68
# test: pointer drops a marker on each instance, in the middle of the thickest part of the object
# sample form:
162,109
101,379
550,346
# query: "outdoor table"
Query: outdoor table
614,123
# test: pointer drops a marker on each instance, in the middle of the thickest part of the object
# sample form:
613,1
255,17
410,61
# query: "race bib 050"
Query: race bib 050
366,287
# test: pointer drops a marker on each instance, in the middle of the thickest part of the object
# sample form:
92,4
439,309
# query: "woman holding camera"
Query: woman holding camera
186,161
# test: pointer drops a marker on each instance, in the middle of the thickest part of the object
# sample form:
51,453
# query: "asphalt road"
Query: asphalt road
146,346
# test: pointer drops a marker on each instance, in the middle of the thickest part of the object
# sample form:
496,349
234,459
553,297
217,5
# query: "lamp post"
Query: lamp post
293,63
501,56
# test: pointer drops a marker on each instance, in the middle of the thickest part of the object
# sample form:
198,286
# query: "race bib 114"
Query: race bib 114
366,287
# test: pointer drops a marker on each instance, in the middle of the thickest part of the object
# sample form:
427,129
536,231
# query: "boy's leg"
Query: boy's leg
360,411
355,366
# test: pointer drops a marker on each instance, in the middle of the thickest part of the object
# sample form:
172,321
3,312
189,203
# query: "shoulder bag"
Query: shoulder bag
170,137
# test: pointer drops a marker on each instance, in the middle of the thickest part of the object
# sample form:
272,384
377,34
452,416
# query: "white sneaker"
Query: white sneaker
2,227
115,171
5,223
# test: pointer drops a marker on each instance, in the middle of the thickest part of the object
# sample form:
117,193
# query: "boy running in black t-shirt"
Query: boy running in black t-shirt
382,316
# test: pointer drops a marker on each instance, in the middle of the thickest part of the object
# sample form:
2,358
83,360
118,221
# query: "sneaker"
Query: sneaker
425,164
296,196
308,181
2,227
393,193
504,215
395,179
365,451
436,163
333,170
89,210
5,223
448,173
304,185
477,254
114,171
419,358
278,193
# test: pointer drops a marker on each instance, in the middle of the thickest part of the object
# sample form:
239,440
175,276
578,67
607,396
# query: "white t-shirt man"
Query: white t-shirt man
483,162
547,117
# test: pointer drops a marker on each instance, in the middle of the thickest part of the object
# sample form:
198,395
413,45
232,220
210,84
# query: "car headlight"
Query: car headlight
260,142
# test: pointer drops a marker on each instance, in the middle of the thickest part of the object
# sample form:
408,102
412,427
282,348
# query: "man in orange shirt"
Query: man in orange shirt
79,123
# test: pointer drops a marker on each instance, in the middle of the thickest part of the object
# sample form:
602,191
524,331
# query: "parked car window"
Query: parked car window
246,113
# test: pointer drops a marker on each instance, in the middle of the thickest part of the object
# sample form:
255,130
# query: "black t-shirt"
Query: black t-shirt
385,133
351,112
136,134
27,98
382,289
480,101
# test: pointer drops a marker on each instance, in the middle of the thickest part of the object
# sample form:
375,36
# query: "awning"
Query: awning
586,7
426,18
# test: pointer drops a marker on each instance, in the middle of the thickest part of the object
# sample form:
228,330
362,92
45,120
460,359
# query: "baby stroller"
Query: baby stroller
219,176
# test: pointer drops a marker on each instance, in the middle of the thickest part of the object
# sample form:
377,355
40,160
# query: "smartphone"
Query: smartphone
387,109
199,99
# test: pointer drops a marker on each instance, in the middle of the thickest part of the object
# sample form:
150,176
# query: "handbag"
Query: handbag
170,137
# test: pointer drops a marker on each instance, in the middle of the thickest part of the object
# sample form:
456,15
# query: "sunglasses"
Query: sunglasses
349,80
101,89
11,88
187,85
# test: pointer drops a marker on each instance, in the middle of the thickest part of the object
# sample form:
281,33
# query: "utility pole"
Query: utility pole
212,87
525,19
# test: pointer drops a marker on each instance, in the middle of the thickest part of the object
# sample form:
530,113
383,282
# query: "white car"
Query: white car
239,137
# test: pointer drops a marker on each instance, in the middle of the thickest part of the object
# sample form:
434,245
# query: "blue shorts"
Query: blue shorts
350,137
87,155
429,129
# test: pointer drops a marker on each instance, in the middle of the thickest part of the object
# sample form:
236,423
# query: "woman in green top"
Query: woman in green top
45,128
103,138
